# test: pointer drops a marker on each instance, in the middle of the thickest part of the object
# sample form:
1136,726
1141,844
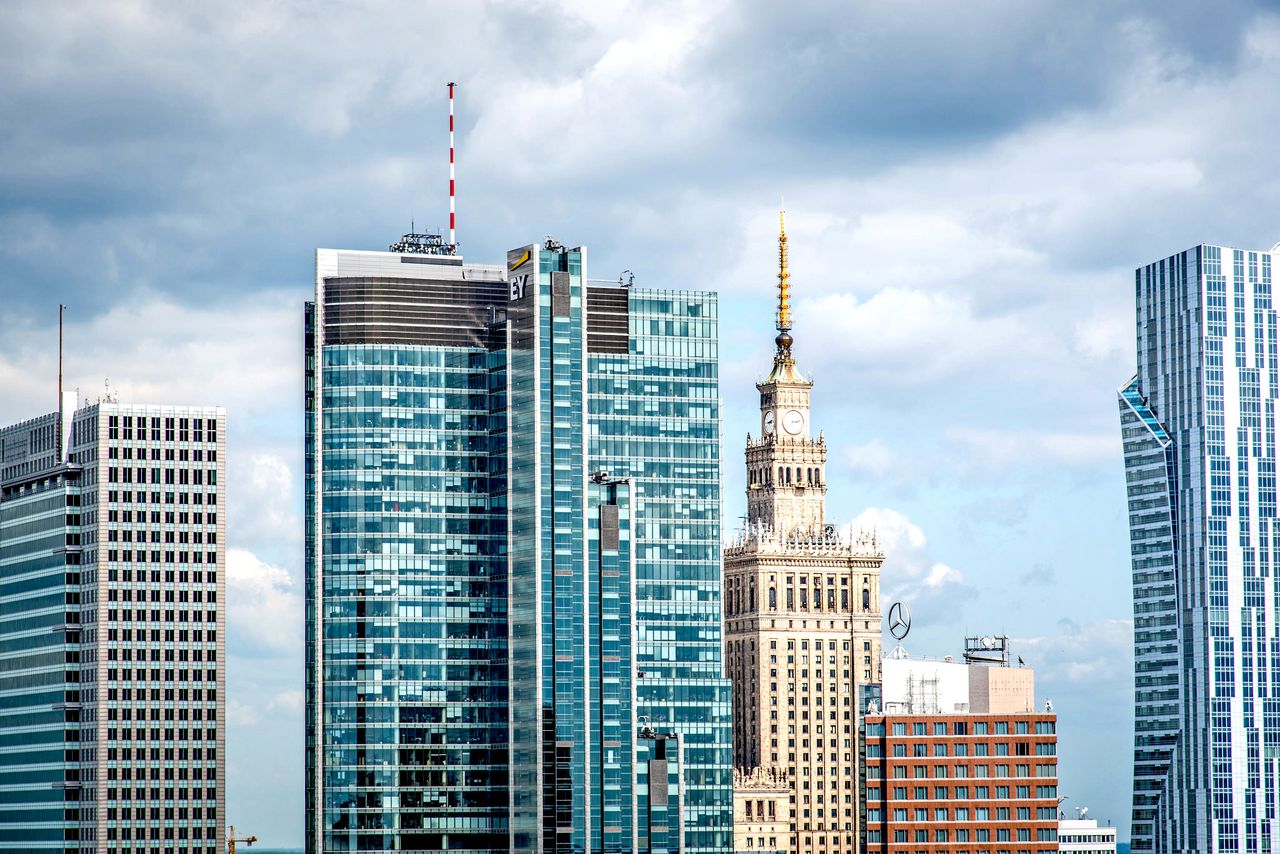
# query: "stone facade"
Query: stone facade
761,811
802,616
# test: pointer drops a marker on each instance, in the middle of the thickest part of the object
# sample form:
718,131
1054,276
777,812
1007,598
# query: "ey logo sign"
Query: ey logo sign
519,280
517,286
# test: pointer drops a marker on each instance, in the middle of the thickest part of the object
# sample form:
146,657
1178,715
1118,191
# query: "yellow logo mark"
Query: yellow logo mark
524,259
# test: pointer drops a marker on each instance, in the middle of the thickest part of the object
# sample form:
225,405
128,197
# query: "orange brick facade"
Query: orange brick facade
961,784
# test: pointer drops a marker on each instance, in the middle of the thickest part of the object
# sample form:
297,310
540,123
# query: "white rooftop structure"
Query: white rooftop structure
1083,836
931,686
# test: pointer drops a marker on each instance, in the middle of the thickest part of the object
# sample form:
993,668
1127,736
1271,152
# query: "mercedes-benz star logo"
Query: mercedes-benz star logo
899,620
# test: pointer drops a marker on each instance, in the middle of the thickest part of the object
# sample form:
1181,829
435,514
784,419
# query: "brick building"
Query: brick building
957,765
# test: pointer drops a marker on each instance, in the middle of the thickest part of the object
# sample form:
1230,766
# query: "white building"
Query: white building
1083,836
931,686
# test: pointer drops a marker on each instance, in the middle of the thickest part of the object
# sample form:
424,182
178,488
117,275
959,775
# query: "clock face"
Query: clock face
768,422
793,421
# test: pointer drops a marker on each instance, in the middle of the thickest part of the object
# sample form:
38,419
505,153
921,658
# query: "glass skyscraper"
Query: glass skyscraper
1199,430
513,576
112,649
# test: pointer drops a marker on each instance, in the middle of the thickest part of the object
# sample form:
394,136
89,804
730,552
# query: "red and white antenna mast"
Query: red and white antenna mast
453,221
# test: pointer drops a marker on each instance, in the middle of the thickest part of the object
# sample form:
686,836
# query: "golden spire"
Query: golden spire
784,278
784,366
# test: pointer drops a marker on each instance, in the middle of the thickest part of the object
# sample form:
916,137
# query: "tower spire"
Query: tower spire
784,278
783,320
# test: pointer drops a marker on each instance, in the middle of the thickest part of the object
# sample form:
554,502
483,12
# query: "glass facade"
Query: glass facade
655,418
39,583
112,732
513,540
1198,422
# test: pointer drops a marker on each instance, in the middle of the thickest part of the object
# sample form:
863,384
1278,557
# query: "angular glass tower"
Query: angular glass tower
513,594
1199,429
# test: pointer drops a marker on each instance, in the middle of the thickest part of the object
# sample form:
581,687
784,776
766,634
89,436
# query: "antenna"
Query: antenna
61,308
453,224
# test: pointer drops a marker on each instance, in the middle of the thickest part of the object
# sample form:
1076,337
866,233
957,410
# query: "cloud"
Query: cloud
245,355
264,608
1075,656
909,573
264,515
1039,575
289,700
985,449
241,714
873,458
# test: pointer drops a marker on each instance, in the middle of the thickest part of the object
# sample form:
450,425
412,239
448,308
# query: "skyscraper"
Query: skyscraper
112,648
1199,431
802,614
513,592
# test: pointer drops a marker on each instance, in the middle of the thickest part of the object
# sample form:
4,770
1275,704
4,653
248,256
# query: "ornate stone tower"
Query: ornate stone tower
802,606
786,489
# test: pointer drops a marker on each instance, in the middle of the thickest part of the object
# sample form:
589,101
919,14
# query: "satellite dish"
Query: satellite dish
987,643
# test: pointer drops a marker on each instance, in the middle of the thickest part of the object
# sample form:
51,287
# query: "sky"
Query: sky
968,191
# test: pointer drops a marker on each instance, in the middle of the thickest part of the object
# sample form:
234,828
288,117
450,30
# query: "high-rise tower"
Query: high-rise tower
1198,422
802,612
513,535
112,649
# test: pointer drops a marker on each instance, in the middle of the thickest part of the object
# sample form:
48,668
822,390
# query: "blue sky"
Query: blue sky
968,192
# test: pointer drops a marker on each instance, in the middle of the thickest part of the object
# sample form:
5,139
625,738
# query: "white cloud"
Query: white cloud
1076,657
986,449
288,700
245,356
633,104
264,608
910,572
264,512
1105,336
241,714
873,458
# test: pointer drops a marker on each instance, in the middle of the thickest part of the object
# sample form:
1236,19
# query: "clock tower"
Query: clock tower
802,619
786,466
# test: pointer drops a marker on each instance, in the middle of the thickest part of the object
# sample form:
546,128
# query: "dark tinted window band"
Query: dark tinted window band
608,320
385,310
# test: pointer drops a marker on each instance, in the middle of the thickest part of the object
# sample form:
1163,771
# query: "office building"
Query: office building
802,615
513,591
1083,836
1198,425
112,649
761,812
952,766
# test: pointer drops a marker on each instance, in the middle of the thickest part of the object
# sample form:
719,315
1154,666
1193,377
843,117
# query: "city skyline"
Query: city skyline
164,179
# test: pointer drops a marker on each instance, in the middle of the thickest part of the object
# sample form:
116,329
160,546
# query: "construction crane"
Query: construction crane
231,840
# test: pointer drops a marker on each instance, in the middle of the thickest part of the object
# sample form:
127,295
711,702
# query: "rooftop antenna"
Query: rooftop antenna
60,310
61,415
453,223
433,243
